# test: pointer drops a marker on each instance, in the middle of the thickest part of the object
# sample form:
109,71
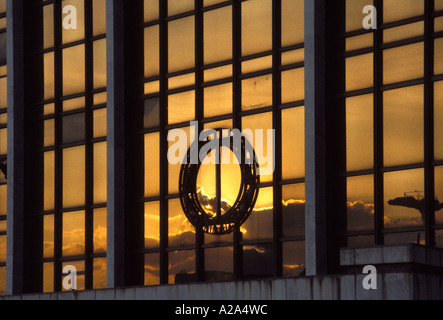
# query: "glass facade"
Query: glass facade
222,65
3,145
393,124
72,119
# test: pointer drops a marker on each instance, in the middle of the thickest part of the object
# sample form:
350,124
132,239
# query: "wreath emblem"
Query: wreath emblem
220,224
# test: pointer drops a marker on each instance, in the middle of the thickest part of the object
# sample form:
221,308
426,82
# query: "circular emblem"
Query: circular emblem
218,223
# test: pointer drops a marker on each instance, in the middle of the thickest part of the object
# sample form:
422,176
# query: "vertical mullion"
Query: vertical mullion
199,61
89,148
58,165
163,143
378,127
237,121
276,118
429,124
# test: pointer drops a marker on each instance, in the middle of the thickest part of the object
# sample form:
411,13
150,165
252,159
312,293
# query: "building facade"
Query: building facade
92,92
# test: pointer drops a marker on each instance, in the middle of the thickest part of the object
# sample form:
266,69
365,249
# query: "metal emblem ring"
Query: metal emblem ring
246,199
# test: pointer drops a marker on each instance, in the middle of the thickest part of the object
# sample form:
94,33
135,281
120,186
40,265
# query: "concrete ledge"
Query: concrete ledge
391,255
392,286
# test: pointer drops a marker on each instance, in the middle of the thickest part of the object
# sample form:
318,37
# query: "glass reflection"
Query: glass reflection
218,100
181,267
152,225
258,261
360,132
99,74
293,143
360,203
80,267
294,259
219,264
260,222
256,26
152,165
181,44
293,85
99,273
48,236
257,92
3,249
73,234
100,173
404,198
152,51
218,35
439,195
48,277
359,72
403,63
100,230
78,33
394,10
293,22
152,269
293,210
74,70
181,107
403,126
181,231
74,177
405,238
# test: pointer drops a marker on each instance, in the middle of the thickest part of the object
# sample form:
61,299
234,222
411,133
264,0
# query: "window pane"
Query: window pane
49,180
100,64
403,126
293,212
3,93
293,259
48,277
100,123
152,269
152,165
354,13
293,23
182,267
258,261
99,273
219,264
74,177
151,10
403,63
181,44
3,200
176,7
395,10
175,147
48,236
218,100
100,230
49,134
152,51
360,199
403,32
260,223
74,128
293,85
78,33
218,35
181,107
359,72
405,238
438,120
257,92
99,17
258,135
100,173
293,143
152,113
2,249
73,233
80,267
256,26
404,203
152,225
181,231
48,75
48,26
439,195
360,132
74,70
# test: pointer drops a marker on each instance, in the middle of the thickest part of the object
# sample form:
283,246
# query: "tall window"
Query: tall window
3,145
224,64
393,123
74,146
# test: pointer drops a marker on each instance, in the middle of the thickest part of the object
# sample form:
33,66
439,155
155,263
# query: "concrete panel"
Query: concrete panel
347,287
265,290
363,294
279,289
347,257
86,295
397,254
125,294
107,294
183,292
366,256
398,286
